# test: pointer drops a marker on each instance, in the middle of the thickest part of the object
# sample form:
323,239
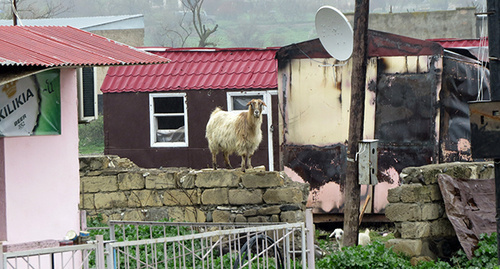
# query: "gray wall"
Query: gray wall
460,23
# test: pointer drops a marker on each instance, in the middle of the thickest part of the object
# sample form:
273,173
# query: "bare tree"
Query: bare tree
195,7
175,34
30,9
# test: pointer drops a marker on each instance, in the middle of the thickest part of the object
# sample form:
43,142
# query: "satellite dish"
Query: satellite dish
335,33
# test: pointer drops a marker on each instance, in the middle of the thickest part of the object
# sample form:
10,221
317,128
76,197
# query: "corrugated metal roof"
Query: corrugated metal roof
460,43
198,68
54,46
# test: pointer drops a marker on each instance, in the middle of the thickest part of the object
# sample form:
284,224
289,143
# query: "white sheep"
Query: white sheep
240,133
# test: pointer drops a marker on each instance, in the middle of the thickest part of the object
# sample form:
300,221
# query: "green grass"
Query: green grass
91,137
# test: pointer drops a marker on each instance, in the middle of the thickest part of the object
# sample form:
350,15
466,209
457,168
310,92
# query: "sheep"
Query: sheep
363,238
240,133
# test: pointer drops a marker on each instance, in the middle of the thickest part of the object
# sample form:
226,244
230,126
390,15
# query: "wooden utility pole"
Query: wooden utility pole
493,8
356,119
14,12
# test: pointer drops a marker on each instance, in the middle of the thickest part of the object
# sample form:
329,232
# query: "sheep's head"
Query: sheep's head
255,107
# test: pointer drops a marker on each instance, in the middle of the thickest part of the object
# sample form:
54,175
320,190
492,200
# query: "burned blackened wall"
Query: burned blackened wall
464,80
406,114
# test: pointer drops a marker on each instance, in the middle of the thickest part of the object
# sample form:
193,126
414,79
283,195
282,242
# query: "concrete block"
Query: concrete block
259,179
283,196
110,200
217,178
131,181
215,196
181,197
99,184
245,197
144,198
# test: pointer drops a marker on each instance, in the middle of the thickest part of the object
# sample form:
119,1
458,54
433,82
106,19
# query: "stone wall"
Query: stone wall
417,209
117,189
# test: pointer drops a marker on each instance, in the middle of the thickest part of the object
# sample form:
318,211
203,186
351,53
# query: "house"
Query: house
127,29
39,168
415,106
156,115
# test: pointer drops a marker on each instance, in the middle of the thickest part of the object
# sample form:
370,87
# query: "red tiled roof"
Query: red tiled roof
460,43
53,46
198,68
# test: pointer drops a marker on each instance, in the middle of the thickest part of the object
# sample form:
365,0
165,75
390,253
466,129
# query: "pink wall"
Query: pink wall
42,181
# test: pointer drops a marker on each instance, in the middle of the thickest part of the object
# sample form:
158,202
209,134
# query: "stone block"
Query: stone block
258,219
176,213
187,181
414,230
110,200
411,247
394,195
131,181
283,196
192,214
160,180
250,212
403,212
144,198
157,213
290,207
259,179
87,201
181,197
275,218
99,184
217,178
442,228
245,197
221,216
292,216
240,218
432,211
215,196
270,210
134,215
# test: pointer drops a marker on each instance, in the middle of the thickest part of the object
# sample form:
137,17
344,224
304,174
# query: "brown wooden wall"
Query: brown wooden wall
127,131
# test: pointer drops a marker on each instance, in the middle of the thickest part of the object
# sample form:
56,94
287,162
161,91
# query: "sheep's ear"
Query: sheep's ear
249,102
263,103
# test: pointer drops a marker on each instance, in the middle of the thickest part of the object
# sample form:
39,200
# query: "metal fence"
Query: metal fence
180,245
77,256
215,246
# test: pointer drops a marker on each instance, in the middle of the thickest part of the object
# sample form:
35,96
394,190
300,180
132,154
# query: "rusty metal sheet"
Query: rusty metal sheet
470,208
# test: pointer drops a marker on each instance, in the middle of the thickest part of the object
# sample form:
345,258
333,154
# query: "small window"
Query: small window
168,120
239,100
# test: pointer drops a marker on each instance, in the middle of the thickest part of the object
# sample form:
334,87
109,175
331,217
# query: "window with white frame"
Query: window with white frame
239,100
168,120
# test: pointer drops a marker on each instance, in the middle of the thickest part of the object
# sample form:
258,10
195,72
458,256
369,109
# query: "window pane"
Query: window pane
240,102
169,104
171,122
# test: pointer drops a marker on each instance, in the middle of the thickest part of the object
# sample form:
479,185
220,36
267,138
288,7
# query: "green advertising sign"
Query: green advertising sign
31,105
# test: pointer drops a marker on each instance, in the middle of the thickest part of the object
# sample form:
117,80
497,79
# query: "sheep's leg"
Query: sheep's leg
214,161
243,161
249,162
226,160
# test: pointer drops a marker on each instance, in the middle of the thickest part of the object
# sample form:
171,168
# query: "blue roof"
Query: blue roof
87,23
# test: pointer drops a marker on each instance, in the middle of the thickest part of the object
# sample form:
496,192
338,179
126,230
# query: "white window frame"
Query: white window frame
153,122
265,98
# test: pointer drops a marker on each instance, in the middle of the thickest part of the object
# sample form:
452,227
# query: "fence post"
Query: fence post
111,256
99,255
311,263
